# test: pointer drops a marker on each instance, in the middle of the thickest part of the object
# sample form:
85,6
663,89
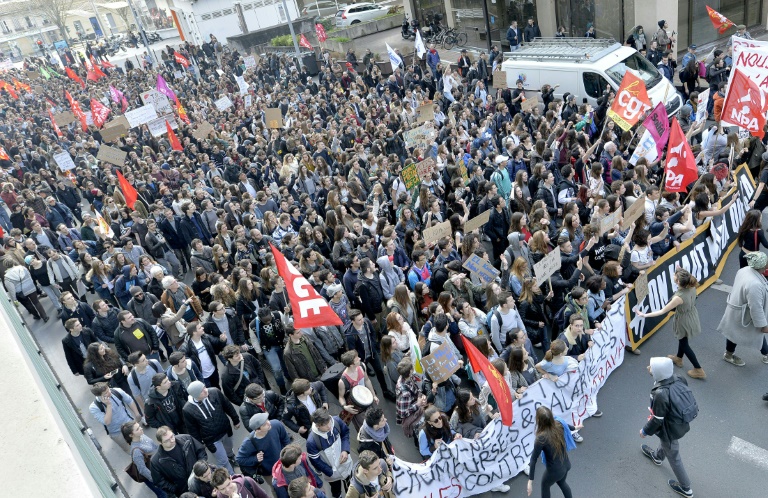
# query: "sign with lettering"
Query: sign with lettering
425,168
410,176
111,155
112,133
548,265
635,211
158,100
273,117
425,113
529,104
437,232
157,126
64,161
251,61
202,130
441,363
499,79
143,114
610,221
421,137
482,268
223,103
478,221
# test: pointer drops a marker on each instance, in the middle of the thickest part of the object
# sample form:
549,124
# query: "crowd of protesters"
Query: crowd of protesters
176,317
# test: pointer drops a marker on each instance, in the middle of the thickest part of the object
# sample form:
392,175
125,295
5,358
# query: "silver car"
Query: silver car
321,8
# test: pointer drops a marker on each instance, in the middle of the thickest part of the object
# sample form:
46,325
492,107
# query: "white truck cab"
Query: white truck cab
584,67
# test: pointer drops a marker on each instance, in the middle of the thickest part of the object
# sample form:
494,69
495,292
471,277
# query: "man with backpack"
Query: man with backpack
112,408
503,319
672,409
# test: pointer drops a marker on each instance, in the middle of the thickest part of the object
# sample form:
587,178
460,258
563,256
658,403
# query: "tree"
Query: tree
124,13
57,11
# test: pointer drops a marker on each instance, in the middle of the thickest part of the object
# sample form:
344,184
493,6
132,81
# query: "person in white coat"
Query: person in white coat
19,284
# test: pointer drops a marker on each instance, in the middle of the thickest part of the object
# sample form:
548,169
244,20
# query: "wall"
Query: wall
244,43
648,13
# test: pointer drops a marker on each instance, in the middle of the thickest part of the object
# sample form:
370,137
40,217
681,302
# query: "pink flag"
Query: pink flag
657,124
116,94
163,88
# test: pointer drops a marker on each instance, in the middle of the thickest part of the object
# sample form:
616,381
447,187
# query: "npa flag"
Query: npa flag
743,104
630,102
99,112
657,124
497,384
55,126
181,59
393,57
4,155
420,48
74,77
130,194
308,307
320,32
21,86
303,42
77,111
175,144
719,21
680,167
163,88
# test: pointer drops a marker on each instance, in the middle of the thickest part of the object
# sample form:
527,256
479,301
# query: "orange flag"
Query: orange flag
182,113
630,102
8,88
130,194
4,155
496,382
719,21
175,144
21,86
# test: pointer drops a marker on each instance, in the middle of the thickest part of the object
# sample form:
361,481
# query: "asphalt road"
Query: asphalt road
608,463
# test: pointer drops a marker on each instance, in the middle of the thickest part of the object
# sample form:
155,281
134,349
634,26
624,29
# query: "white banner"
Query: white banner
242,84
158,100
223,103
142,115
470,467
646,148
64,161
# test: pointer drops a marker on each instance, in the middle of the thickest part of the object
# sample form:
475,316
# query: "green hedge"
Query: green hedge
282,41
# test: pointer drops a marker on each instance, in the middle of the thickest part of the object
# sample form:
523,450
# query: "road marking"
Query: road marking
748,452
721,287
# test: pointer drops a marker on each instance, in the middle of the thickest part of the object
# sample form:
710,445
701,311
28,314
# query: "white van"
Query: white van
583,67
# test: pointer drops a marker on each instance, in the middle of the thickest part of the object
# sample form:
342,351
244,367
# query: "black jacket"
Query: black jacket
150,336
296,365
274,405
167,410
171,475
212,344
75,360
659,424
296,414
171,232
371,295
252,372
188,230
154,247
210,427
235,329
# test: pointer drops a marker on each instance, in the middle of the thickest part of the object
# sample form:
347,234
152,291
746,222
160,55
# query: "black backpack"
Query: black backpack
682,404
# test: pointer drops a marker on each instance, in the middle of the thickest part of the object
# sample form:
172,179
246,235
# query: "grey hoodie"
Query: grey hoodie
389,276
661,368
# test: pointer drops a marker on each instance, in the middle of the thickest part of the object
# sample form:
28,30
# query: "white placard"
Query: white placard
248,101
64,161
178,75
143,114
157,126
223,103
242,84
158,100
250,61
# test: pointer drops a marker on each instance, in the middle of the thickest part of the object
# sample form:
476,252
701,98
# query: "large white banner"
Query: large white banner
470,467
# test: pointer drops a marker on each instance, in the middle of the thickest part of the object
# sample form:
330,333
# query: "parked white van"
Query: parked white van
583,67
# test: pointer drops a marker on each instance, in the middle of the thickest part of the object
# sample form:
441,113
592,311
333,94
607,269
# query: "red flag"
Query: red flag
21,86
181,59
320,32
182,112
496,382
8,88
74,77
99,112
743,104
4,155
123,104
76,110
631,100
719,21
69,97
303,42
130,194
175,144
107,64
680,167
309,308
55,126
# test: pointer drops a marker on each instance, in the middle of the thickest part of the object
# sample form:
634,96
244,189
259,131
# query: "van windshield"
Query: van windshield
640,66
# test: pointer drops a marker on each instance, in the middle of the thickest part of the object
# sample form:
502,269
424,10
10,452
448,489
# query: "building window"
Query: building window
16,23
4,27
29,22
281,12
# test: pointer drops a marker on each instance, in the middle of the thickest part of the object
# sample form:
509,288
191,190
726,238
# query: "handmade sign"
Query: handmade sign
158,100
500,79
157,126
112,133
421,137
33,75
64,118
634,212
111,155
425,113
482,268
641,287
202,130
273,117
441,363
118,121
223,103
548,265
410,176
425,169
437,232
478,221
529,104
143,114
610,221
251,61
64,161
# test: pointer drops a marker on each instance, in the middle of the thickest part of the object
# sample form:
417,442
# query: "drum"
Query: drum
361,397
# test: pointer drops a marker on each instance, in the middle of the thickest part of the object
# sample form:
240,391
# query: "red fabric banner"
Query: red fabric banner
130,194
496,382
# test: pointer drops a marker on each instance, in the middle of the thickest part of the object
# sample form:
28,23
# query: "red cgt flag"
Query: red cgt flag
630,102
74,77
99,112
309,308
303,42
743,104
719,21
130,194
175,144
680,167
496,382
181,59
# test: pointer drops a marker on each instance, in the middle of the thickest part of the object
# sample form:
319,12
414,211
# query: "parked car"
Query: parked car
321,8
360,12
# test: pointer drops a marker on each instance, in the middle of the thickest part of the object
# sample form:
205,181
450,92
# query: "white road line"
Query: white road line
748,452
721,287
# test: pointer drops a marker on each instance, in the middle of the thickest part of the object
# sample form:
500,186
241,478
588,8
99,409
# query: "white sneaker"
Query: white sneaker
576,436
765,358
501,489
527,470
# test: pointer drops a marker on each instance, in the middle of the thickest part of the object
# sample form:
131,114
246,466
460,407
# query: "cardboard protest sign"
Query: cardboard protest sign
437,232
500,79
273,117
478,221
111,155
64,118
610,221
441,363
64,161
33,75
158,100
425,168
223,103
410,176
143,114
482,268
421,137
118,121
425,112
641,287
634,212
112,133
547,266
529,104
202,130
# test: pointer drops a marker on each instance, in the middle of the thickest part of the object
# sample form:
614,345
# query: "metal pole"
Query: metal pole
141,31
293,33
487,24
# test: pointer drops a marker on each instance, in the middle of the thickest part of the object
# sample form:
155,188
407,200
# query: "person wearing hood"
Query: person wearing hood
235,486
329,450
141,304
260,451
205,415
661,424
389,276
374,434
129,277
372,477
165,402
202,257
371,292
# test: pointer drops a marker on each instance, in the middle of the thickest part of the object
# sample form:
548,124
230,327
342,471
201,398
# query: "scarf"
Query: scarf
378,435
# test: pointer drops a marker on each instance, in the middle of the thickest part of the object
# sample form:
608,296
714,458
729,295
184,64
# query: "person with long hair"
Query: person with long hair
102,364
436,432
552,439
686,320
398,329
142,449
751,235
468,419
390,357
522,371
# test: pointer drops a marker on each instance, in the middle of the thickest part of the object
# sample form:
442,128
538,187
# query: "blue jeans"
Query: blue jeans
275,363
158,492
222,453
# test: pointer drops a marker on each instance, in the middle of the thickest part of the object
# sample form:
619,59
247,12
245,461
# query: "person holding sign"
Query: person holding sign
686,320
